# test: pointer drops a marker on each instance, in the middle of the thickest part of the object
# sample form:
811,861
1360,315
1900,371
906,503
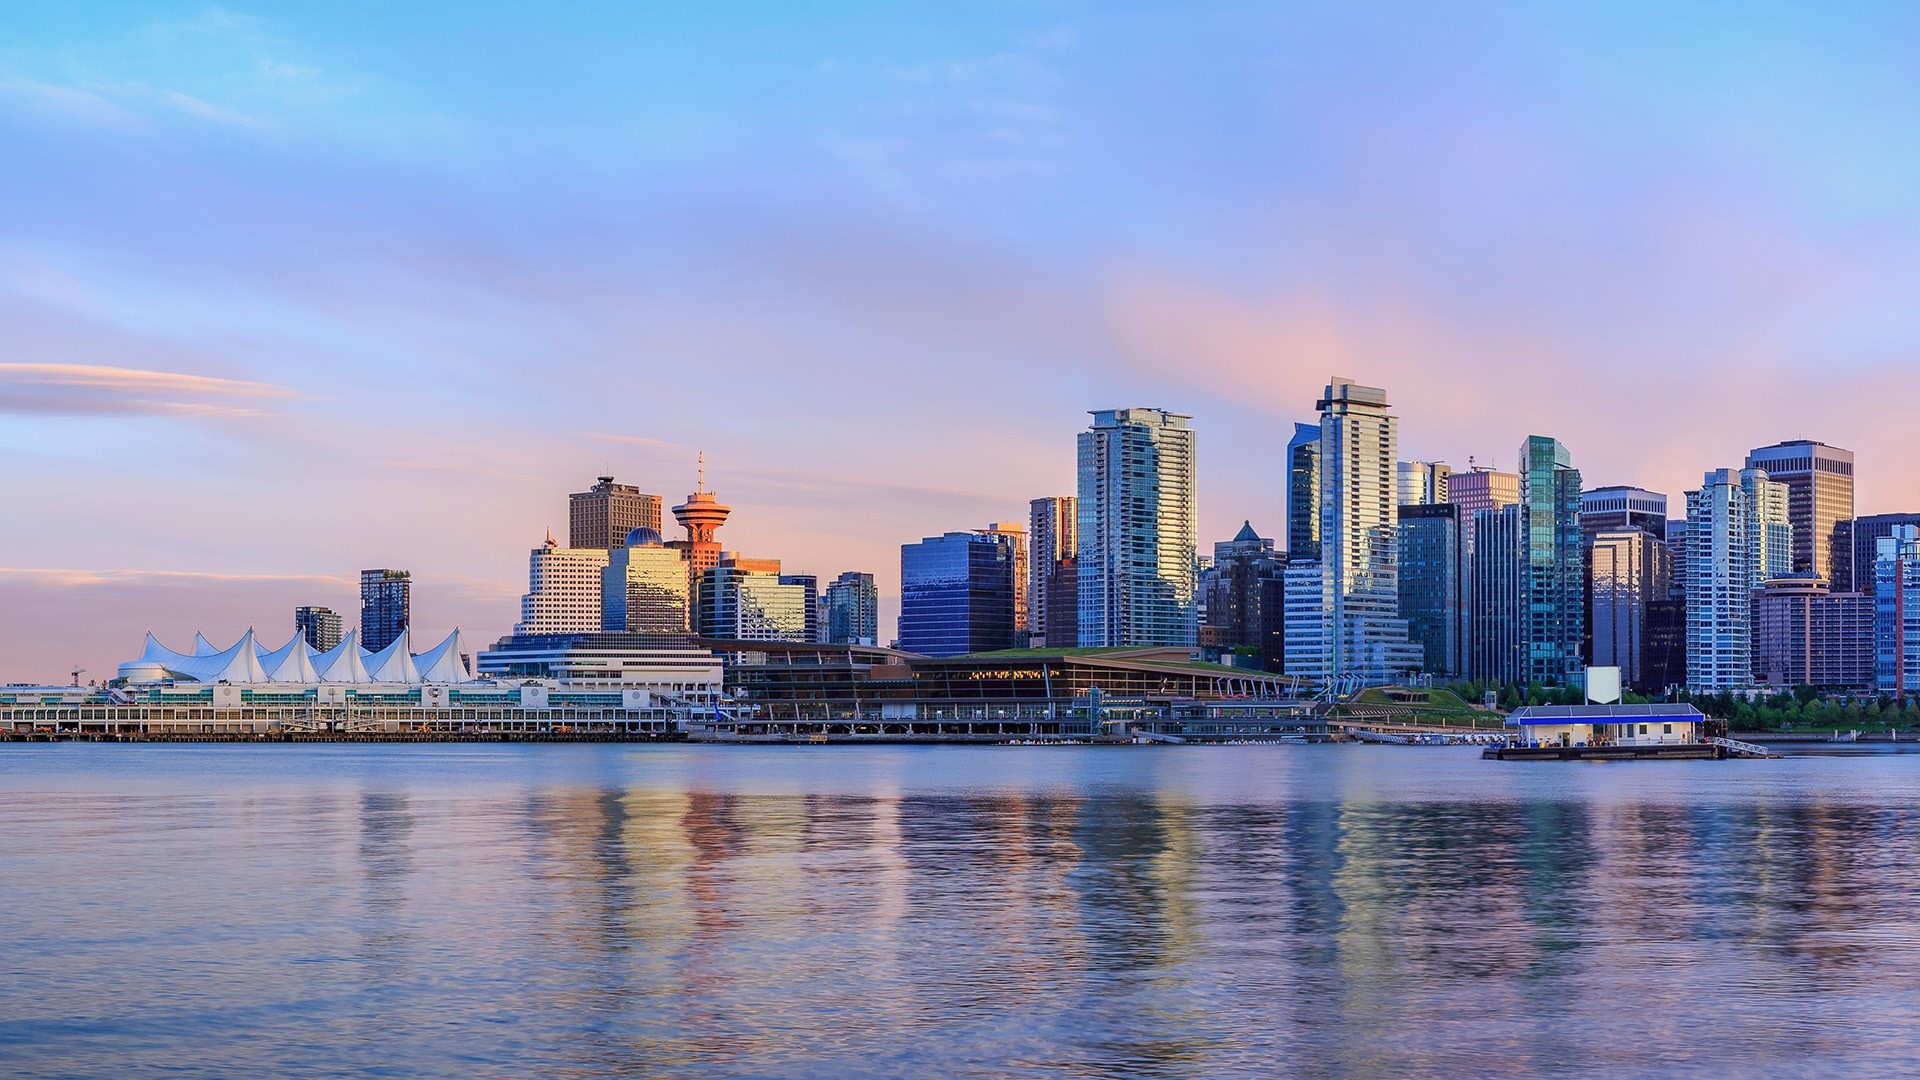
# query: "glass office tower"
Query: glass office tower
1631,570
1303,494
1432,581
1497,637
1551,556
1139,530
1896,611
1052,535
1720,579
956,594
644,588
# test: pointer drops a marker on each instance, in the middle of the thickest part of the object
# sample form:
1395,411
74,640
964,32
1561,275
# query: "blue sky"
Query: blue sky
287,291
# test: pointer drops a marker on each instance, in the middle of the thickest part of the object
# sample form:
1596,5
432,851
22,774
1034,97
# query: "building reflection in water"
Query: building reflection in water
1151,913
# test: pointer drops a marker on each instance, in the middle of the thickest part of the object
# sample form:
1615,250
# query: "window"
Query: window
1643,729
1666,729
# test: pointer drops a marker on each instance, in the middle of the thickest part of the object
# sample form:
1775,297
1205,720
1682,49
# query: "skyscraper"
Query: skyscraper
1720,548
1496,642
956,594
1360,635
320,626
811,584
385,596
1422,483
1016,535
644,588
563,590
1610,509
1432,583
1139,530
1863,535
1551,554
1819,480
1896,611
1245,604
1303,494
603,515
1631,570
853,610
1053,535
742,599
1768,501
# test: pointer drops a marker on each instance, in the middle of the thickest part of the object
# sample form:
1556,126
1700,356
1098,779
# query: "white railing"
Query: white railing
1734,746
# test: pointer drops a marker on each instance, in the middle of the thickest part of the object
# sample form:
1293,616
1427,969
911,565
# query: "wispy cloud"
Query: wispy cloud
95,390
70,101
193,106
75,579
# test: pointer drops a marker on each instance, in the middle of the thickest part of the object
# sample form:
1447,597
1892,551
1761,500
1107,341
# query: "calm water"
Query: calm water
1151,911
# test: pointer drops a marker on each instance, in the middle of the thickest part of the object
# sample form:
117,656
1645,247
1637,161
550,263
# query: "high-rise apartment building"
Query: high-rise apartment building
742,599
1861,538
385,597
1896,611
1807,635
1552,552
853,610
1303,494
1422,483
1819,480
644,588
1631,572
1773,532
563,590
1720,548
1053,534
603,515
1245,603
1360,636
956,594
1432,584
319,625
1138,531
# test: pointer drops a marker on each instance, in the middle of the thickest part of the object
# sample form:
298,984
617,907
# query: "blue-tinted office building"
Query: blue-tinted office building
956,594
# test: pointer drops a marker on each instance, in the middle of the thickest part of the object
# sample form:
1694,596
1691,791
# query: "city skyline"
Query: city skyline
256,255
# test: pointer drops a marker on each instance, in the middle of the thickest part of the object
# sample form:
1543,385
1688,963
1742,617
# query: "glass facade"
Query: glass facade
1631,569
744,600
1422,483
1896,611
853,610
1552,558
1139,531
385,596
1819,481
1498,634
1303,493
956,594
1053,534
1432,573
644,590
811,584
1863,535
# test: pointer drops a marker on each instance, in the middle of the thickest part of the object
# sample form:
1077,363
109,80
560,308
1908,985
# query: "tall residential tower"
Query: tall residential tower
1139,530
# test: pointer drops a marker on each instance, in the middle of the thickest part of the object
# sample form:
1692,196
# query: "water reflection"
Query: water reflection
1140,913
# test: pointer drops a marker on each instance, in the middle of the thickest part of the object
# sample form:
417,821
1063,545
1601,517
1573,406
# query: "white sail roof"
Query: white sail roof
394,663
442,663
297,662
345,662
292,662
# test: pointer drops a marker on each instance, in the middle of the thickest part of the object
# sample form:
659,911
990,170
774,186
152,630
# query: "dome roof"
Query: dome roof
644,537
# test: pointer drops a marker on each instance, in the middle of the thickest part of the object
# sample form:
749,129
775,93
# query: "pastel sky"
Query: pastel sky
290,291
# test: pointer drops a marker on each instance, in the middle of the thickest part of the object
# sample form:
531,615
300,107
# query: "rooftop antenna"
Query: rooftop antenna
77,672
701,485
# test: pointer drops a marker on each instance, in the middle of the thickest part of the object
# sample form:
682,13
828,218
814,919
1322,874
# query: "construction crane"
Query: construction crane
77,672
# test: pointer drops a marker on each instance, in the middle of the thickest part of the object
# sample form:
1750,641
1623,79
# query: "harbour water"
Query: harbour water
575,911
